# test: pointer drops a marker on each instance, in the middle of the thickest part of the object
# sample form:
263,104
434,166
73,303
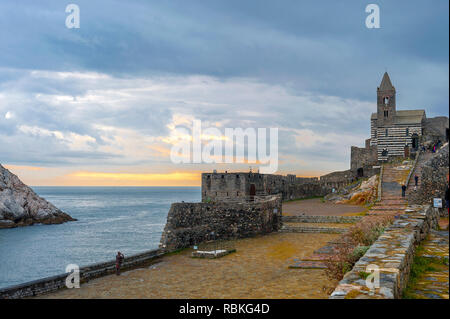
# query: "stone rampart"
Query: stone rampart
192,223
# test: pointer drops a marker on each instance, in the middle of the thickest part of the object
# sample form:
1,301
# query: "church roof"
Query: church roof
386,84
406,116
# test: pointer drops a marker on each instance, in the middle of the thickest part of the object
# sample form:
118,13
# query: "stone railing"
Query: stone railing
392,254
51,284
411,172
380,181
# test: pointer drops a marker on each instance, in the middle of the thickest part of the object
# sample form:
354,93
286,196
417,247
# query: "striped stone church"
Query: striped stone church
393,132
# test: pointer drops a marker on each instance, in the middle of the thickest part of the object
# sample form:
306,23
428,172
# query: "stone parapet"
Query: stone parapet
51,284
393,254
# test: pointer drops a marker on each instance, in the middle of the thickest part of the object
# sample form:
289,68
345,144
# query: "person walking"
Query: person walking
403,190
119,259
416,180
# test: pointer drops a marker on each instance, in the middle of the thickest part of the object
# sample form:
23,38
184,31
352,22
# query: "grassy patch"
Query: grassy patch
364,275
421,265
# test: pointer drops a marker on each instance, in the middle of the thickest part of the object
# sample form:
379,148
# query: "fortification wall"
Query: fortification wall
363,157
305,191
51,284
191,223
242,186
338,179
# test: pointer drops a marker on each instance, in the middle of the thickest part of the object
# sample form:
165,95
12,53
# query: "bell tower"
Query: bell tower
385,102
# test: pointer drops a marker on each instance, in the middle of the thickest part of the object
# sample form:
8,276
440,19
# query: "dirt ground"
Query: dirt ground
258,269
315,206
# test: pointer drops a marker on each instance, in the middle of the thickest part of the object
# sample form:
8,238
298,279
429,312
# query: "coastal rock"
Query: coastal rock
21,206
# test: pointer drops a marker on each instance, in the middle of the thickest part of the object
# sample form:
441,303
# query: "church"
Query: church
394,133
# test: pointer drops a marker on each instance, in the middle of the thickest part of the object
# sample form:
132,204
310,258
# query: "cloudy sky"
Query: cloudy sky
100,105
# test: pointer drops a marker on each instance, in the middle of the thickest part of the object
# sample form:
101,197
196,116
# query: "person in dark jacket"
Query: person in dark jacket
119,259
403,190
416,179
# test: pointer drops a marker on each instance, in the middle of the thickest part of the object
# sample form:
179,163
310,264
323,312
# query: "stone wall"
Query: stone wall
362,158
433,179
393,254
191,223
239,186
51,284
435,129
338,179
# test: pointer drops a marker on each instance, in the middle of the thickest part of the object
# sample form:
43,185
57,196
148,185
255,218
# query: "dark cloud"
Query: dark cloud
319,62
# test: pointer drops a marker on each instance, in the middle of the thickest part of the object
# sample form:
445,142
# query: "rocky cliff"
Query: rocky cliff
21,206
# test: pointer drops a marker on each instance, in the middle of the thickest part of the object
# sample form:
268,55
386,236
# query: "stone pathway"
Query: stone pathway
433,284
391,204
418,171
258,269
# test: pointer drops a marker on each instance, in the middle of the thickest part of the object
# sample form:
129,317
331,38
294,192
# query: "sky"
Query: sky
102,104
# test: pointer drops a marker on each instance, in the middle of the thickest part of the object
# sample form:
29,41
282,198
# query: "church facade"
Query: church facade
394,133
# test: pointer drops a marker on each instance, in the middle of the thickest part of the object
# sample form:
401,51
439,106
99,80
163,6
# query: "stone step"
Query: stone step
321,257
392,202
389,207
303,229
384,213
321,219
305,264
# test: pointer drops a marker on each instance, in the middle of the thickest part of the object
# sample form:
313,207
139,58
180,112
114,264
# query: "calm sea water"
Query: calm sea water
129,219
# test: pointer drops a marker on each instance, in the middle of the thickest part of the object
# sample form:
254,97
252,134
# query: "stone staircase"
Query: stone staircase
317,224
392,202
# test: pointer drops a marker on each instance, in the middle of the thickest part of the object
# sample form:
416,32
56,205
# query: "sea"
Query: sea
110,219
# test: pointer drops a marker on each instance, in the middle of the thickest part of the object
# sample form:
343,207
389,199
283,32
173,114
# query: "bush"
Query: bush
359,251
356,242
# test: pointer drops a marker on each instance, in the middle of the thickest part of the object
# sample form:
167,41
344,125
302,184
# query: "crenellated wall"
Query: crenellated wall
243,186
